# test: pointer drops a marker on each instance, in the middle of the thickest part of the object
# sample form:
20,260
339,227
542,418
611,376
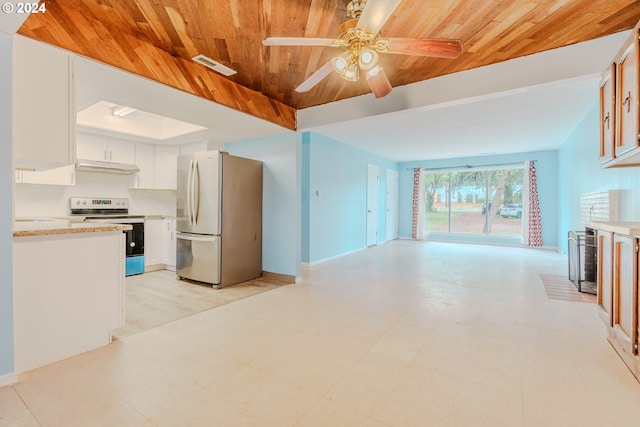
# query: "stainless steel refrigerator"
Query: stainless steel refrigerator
218,218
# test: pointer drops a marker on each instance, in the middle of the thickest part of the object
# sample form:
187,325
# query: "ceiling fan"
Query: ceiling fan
362,43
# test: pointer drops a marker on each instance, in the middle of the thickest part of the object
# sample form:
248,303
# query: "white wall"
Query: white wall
6,211
281,223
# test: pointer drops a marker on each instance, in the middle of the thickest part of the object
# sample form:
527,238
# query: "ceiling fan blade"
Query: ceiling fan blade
297,41
441,48
315,78
379,84
375,14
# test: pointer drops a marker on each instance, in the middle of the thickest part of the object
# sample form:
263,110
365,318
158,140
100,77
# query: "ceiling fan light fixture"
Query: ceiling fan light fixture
352,74
367,59
339,64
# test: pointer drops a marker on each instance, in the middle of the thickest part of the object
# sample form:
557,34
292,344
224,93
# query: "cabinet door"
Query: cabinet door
121,151
625,292
145,160
607,114
627,101
166,167
605,276
169,255
153,241
92,147
43,105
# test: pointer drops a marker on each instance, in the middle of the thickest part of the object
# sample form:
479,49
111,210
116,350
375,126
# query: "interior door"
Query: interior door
392,205
372,204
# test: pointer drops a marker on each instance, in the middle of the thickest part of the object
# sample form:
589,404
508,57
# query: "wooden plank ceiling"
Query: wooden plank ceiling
158,38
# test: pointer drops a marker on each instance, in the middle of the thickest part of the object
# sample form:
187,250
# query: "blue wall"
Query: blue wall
334,222
580,172
281,226
6,210
547,174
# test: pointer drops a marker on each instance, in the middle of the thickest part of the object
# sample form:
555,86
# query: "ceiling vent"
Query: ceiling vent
214,65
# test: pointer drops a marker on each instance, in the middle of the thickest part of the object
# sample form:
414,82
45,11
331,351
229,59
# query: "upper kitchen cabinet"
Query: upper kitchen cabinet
43,106
607,114
620,107
158,167
105,149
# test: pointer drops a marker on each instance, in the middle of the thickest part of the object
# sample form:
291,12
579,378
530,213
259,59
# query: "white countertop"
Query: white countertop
45,227
629,228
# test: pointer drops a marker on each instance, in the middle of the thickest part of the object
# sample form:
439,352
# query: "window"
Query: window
480,201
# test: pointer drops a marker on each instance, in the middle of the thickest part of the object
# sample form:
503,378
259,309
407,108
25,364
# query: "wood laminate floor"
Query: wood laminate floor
158,297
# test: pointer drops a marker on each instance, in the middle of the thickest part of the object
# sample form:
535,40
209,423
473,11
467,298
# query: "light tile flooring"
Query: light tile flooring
158,297
403,334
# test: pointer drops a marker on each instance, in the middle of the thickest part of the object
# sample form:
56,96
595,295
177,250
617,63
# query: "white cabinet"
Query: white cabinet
65,175
160,244
158,167
166,167
106,149
43,106
153,244
145,160
169,245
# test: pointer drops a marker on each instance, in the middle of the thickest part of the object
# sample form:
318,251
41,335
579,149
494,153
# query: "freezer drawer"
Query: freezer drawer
198,257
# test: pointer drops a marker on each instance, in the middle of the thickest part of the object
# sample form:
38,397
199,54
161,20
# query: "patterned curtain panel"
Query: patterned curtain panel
534,234
419,217
416,203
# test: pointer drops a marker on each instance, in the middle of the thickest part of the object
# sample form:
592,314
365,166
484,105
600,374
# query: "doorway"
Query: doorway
372,205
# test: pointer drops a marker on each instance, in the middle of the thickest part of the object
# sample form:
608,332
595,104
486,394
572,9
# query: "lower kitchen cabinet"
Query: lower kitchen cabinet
153,244
169,255
160,244
618,283
605,276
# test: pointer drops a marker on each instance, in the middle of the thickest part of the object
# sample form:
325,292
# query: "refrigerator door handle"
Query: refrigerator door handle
196,192
189,192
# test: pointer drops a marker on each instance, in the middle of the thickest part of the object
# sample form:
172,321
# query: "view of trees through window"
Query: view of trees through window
477,201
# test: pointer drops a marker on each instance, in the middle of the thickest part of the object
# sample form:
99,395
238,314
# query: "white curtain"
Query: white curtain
419,220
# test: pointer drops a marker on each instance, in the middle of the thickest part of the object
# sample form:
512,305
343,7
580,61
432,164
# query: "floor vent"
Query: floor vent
214,65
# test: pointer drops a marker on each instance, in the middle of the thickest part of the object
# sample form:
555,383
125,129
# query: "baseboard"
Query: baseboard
155,267
285,278
8,379
320,261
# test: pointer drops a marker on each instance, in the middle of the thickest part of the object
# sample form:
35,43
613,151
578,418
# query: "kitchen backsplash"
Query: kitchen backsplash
53,201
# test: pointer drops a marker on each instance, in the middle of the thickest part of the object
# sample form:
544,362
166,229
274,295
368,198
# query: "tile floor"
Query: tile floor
403,334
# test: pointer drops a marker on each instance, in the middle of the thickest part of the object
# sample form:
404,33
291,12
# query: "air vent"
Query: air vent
214,65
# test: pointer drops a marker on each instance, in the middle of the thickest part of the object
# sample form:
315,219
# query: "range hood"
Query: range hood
105,167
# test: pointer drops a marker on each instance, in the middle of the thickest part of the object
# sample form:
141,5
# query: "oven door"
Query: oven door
134,242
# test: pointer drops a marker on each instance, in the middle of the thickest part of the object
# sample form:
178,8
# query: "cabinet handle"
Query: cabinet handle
627,102
606,121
